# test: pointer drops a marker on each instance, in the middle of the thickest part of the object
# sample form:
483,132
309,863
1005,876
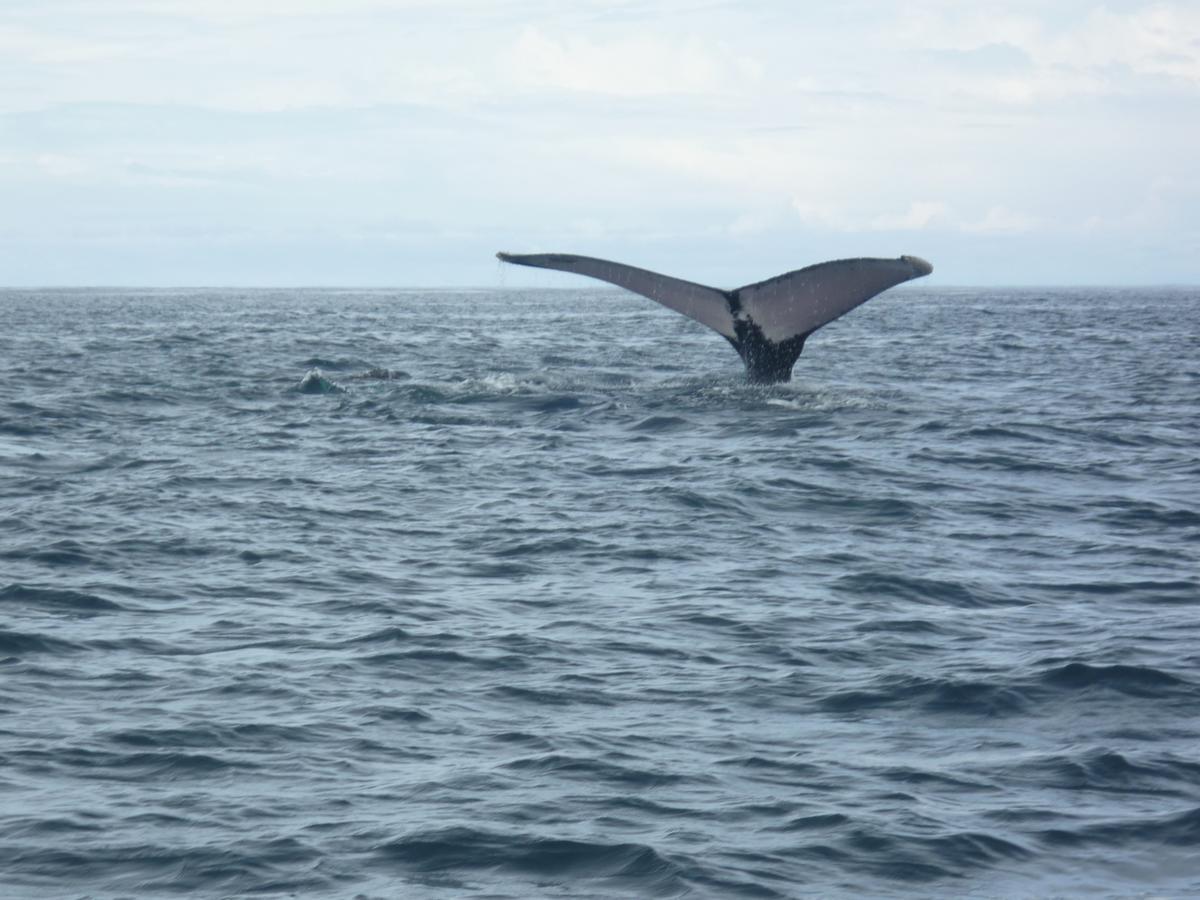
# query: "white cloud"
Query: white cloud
753,222
1001,220
57,165
1099,51
1162,39
634,65
919,215
43,47
822,216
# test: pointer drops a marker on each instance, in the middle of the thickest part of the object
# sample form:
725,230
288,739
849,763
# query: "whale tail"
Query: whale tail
766,322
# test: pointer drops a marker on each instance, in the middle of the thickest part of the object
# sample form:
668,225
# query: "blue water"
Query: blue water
519,594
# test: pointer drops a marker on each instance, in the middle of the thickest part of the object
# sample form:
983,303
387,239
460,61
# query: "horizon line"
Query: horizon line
483,287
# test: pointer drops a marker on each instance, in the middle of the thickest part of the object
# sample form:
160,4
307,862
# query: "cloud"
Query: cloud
820,215
58,165
920,214
634,65
1163,39
1000,220
236,11
42,47
1101,52
751,223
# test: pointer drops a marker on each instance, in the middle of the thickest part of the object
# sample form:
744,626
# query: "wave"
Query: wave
934,695
56,600
592,769
1166,593
315,382
1180,829
1137,681
281,865
1104,771
935,591
428,660
212,735
20,644
1013,694
129,767
460,849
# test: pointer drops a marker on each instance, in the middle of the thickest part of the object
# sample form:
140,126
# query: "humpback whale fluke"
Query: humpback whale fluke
766,322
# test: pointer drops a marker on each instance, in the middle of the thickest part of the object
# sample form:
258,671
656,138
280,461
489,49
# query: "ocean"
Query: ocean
527,593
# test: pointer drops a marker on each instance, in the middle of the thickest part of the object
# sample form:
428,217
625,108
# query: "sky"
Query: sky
404,142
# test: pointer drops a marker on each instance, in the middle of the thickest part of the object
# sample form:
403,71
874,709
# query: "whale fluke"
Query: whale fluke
766,322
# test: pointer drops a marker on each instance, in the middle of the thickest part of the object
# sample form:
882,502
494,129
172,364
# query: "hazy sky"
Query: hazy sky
403,142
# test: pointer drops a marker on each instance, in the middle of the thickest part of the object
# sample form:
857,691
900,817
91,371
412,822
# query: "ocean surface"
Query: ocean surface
526,593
